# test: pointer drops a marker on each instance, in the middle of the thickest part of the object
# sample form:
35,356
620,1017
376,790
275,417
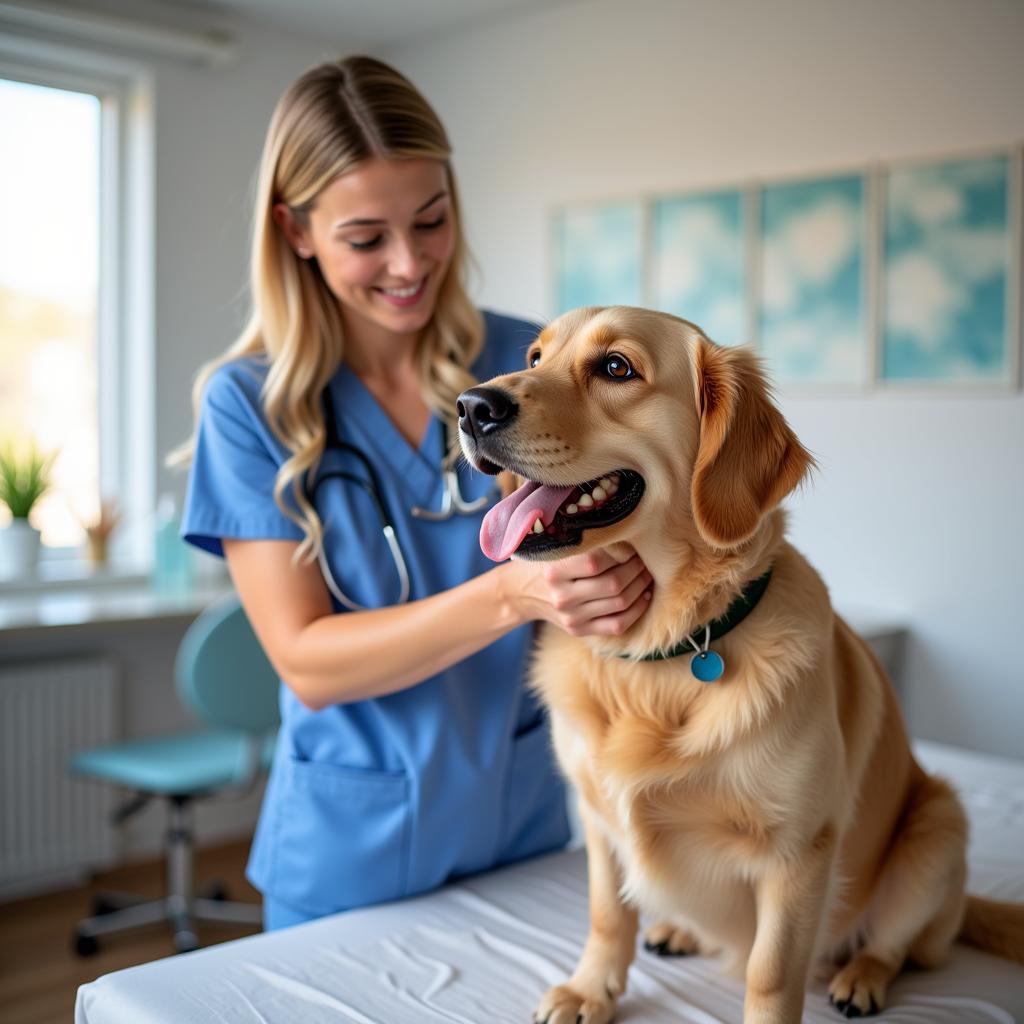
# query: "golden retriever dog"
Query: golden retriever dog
743,770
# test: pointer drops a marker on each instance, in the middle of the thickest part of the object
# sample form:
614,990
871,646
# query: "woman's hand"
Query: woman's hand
592,594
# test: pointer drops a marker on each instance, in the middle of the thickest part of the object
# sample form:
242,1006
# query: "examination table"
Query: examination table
484,949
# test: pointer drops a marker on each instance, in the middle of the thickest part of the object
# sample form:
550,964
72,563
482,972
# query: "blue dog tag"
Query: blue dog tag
707,666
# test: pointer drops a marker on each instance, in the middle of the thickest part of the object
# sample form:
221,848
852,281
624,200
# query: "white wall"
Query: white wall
917,507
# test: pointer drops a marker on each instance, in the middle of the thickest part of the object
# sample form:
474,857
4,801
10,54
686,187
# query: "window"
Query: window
76,292
49,271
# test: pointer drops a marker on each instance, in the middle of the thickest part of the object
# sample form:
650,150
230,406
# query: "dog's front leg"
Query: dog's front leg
790,900
590,995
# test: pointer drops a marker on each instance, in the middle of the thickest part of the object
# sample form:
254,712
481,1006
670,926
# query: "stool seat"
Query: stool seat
186,762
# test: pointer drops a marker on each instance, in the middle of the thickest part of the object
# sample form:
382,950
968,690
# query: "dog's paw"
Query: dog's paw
667,940
859,989
563,1004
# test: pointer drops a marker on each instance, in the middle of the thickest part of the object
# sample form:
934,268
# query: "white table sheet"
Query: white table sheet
483,950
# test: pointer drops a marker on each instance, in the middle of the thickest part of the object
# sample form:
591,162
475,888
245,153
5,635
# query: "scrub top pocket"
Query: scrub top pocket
343,836
535,814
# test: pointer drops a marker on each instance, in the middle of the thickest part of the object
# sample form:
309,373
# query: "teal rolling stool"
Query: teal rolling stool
224,677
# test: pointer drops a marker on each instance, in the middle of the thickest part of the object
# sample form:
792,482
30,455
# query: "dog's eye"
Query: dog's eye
533,359
618,367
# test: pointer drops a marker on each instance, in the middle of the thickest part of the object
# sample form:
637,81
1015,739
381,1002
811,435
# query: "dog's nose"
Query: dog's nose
483,410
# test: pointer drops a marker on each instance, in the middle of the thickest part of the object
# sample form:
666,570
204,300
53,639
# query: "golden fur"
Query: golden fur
778,816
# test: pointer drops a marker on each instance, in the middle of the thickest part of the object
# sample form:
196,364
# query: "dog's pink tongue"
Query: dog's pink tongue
508,522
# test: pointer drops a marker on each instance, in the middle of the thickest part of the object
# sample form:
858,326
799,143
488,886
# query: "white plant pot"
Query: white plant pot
19,550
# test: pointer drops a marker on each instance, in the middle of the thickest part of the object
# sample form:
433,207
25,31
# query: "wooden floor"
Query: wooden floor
40,971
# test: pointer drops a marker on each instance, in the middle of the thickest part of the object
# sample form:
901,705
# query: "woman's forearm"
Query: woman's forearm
341,658
327,658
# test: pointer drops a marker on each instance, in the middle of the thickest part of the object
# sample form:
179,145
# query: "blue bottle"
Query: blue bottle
172,560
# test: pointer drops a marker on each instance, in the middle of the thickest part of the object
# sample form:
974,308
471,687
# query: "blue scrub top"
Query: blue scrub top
382,798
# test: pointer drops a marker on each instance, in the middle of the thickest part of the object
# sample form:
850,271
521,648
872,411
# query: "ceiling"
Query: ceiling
375,23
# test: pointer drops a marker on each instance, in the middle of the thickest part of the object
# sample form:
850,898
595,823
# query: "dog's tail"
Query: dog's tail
995,926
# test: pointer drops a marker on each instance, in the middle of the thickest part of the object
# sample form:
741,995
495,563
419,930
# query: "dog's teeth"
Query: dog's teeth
586,501
604,482
538,526
600,493
571,510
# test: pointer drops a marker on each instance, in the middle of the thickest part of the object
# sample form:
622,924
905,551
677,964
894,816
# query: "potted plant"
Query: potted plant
24,478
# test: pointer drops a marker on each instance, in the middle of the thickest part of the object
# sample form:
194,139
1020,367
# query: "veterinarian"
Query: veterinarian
410,751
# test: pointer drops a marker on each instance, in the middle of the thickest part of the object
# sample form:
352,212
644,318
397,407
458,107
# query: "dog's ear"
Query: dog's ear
748,458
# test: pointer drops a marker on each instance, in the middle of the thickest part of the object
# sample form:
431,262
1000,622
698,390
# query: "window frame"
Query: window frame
125,307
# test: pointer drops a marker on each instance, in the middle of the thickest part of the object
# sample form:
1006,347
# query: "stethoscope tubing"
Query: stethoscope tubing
396,554
452,503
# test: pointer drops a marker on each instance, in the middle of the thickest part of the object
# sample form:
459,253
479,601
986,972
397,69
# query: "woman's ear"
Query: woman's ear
295,233
748,458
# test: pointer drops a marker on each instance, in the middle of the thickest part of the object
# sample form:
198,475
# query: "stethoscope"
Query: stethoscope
452,503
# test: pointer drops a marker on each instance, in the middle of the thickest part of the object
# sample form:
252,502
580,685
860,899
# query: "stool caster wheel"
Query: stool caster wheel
216,891
101,905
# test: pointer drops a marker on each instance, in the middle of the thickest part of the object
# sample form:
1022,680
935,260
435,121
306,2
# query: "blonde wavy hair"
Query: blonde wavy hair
331,119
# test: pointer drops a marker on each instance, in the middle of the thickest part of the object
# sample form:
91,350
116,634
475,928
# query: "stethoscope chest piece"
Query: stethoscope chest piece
452,501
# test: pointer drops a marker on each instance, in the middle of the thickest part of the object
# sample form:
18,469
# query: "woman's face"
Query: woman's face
383,236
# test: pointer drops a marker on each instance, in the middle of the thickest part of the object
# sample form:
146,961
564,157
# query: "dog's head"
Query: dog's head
628,421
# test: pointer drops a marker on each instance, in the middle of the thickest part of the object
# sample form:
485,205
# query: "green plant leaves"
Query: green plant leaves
24,478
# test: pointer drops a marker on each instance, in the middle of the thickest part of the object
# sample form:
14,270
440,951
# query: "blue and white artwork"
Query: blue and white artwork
699,265
812,321
598,255
946,271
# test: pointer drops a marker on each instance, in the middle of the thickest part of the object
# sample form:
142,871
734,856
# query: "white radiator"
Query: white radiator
52,824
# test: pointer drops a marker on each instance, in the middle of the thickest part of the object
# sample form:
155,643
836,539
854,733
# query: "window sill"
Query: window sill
54,575
124,603
63,569
67,591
